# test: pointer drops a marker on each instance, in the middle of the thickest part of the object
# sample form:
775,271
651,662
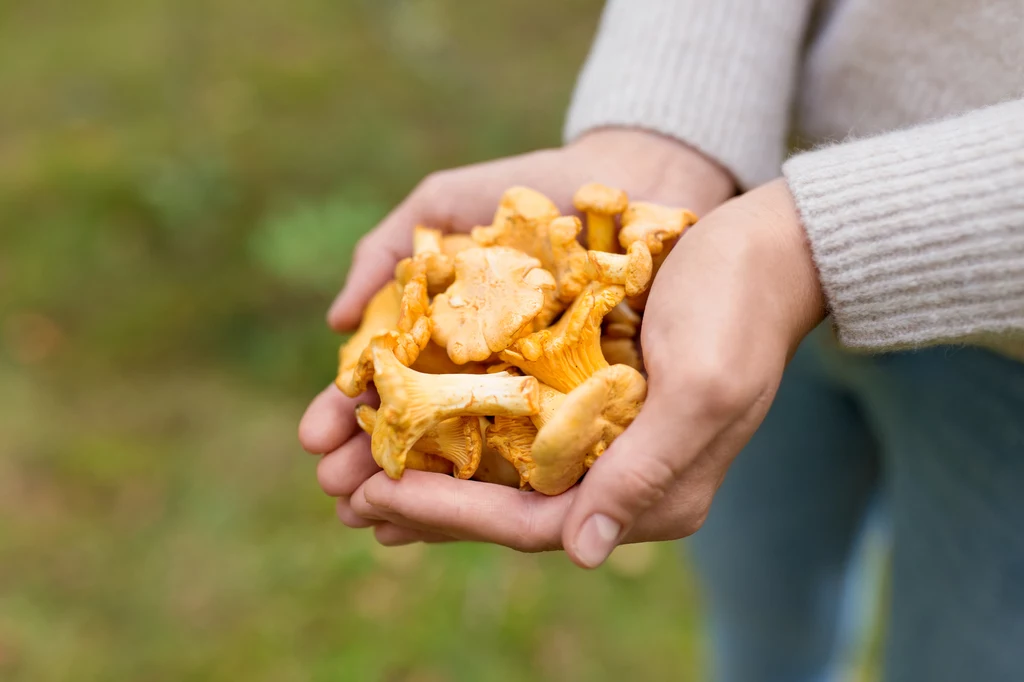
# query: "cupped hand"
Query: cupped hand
727,311
648,166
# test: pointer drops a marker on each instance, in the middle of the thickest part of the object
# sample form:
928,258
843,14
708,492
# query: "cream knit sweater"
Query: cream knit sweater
913,200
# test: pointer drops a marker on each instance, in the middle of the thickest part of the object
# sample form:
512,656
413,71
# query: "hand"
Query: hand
727,311
646,165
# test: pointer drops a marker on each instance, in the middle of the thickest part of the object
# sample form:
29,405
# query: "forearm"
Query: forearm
918,235
717,75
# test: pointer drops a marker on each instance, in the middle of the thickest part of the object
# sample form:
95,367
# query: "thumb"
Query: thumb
634,474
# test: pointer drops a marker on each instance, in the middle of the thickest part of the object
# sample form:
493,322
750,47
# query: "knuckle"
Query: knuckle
325,477
720,393
530,537
645,484
432,185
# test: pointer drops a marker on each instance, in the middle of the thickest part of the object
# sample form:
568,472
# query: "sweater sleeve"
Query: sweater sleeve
919,234
716,74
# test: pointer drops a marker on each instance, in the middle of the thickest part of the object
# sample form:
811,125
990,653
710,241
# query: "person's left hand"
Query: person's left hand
728,309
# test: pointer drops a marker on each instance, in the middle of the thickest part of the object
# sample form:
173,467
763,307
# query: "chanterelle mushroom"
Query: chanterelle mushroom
495,468
566,354
393,309
513,438
412,402
653,224
570,260
633,269
497,293
454,244
520,222
428,253
416,459
622,351
380,316
601,204
583,426
621,323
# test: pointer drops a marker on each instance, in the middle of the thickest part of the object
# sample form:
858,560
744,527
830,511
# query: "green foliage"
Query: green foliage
295,243
181,183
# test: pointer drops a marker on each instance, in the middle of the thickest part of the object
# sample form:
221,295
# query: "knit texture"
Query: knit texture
718,75
919,234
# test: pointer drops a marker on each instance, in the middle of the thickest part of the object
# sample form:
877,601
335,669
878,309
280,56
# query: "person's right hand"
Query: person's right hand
648,166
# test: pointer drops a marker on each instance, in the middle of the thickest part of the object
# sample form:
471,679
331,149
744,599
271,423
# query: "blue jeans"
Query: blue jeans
940,433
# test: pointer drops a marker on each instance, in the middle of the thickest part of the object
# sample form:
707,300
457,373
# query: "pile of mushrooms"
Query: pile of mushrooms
510,355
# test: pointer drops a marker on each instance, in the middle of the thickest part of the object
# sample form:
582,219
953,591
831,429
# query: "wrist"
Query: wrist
666,170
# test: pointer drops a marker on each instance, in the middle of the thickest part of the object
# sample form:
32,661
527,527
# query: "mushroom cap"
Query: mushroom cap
520,222
589,419
497,293
598,198
654,224
380,316
632,269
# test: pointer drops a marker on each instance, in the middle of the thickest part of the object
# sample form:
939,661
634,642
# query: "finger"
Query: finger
341,472
466,510
373,263
392,535
634,475
349,517
329,420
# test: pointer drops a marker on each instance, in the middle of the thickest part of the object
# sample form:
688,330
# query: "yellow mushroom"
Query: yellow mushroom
621,322
570,261
413,402
622,351
520,222
653,224
497,294
512,438
633,269
566,354
601,204
380,316
583,426
494,467
428,253
392,309
454,244
416,459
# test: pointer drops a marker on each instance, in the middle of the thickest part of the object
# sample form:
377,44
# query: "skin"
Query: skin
743,272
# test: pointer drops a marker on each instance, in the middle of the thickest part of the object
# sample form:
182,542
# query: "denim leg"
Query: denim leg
951,422
773,553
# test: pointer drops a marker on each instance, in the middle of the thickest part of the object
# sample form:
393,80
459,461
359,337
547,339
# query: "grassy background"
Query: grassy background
181,182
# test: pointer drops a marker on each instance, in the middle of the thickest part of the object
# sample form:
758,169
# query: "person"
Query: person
900,221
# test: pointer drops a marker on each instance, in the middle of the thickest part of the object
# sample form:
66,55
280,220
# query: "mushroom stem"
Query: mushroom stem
600,232
413,402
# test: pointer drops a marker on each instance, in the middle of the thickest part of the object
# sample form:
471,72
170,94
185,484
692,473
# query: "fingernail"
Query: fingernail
597,539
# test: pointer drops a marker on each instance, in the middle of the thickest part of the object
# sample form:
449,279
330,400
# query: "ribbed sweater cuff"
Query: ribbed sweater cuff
919,234
717,74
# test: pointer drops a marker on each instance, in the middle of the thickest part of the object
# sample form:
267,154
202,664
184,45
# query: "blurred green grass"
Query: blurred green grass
180,185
